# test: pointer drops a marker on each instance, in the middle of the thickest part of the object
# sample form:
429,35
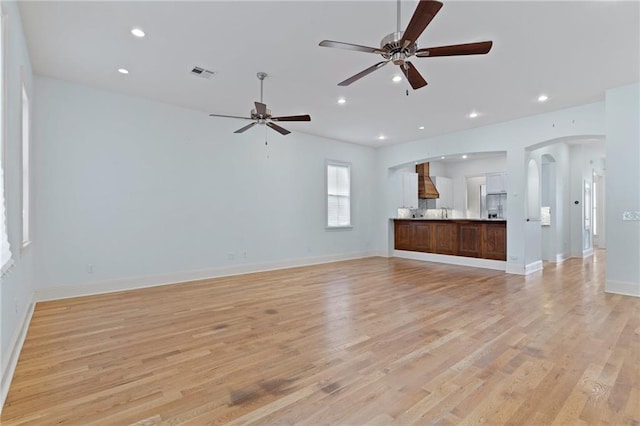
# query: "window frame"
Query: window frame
25,175
4,225
347,165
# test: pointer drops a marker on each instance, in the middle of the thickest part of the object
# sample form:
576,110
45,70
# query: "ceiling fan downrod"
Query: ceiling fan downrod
261,76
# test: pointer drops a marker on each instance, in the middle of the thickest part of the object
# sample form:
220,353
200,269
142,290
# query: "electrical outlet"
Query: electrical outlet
244,254
513,257
231,256
630,215
90,269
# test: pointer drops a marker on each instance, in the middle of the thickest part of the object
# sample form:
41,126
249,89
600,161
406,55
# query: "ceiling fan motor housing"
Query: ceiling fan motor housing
395,52
256,116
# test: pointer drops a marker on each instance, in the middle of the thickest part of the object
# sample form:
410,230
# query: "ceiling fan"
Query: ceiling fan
262,115
399,46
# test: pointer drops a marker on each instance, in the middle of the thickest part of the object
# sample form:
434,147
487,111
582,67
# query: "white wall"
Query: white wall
474,199
559,233
148,192
623,189
16,287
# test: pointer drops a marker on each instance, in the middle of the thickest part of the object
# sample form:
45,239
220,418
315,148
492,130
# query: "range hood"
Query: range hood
426,188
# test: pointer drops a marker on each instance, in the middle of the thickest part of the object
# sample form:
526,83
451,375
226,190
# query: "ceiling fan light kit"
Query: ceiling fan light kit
399,46
262,115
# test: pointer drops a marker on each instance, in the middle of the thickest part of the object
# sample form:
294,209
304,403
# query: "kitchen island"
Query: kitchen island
477,238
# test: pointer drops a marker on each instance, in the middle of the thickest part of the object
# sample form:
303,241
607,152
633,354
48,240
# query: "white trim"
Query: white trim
561,257
336,163
533,267
521,269
15,347
123,284
622,287
515,268
498,265
587,253
25,175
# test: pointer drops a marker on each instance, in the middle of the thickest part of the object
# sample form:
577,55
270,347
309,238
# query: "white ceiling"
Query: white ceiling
572,51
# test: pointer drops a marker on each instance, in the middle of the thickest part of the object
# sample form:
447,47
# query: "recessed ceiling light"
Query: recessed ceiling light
421,127
473,114
464,156
396,78
442,158
543,98
342,101
137,32
382,137
123,71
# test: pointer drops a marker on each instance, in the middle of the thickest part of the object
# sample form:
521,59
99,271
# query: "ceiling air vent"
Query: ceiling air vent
202,73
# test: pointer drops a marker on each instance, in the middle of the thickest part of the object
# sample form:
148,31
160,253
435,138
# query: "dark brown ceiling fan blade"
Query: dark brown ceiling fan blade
245,128
423,15
292,118
415,78
278,129
230,116
362,74
479,48
351,46
261,109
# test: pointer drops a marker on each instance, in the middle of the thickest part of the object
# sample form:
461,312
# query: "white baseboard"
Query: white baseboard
561,257
588,252
15,347
621,287
522,269
452,260
123,284
533,267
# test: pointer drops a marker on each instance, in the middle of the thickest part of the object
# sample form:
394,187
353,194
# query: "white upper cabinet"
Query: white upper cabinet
410,190
496,183
406,190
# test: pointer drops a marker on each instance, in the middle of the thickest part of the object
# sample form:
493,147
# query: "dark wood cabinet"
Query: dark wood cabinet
470,239
403,235
457,237
423,236
445,238
495,246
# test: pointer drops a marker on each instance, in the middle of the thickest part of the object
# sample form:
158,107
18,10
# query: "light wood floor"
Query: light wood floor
370,341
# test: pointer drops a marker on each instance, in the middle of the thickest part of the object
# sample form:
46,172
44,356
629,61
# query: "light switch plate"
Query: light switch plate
630,215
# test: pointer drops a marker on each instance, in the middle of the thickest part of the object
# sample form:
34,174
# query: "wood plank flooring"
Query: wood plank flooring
372,341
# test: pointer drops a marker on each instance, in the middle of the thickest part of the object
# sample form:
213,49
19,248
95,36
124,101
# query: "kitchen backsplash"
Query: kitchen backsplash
428,213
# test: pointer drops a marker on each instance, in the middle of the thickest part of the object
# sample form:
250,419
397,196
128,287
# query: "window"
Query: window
338,194
26,237
594,201
5,251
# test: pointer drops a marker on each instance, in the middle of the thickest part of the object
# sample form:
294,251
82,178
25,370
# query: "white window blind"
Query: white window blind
5,251
338,195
